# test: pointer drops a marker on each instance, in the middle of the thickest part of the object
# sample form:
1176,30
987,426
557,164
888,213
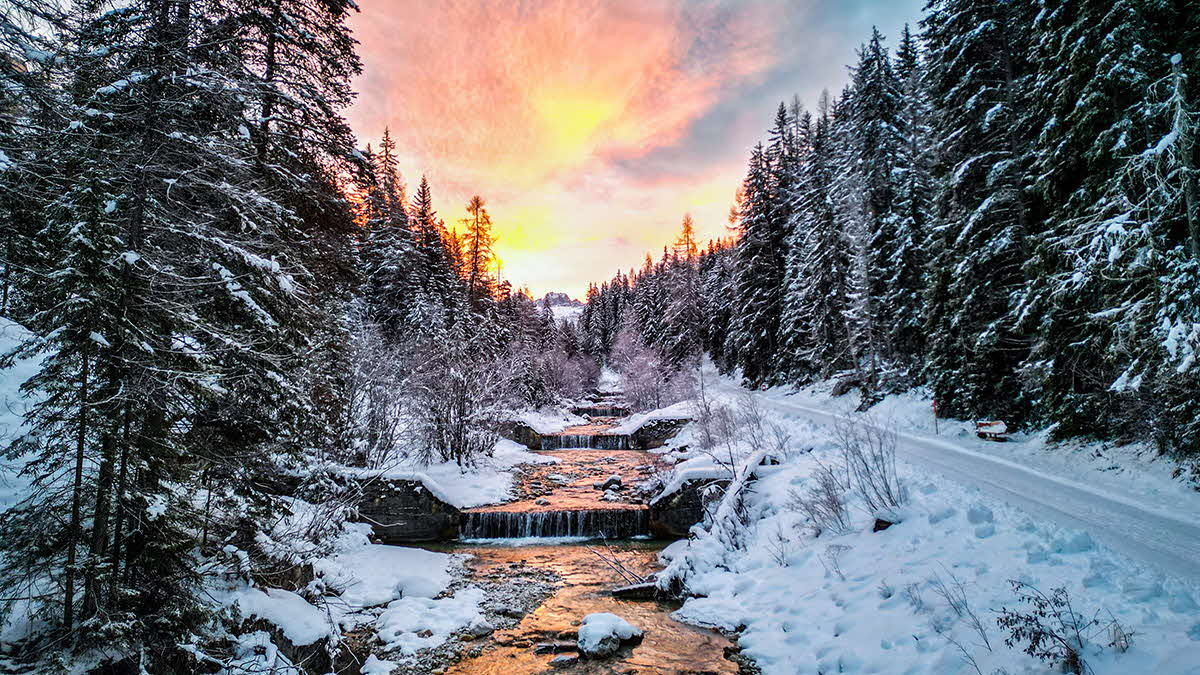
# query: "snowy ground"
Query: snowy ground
12,407
489,481
403,596
869,602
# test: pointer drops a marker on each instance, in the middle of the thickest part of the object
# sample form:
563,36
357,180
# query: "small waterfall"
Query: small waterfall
609,523
601,411
586,442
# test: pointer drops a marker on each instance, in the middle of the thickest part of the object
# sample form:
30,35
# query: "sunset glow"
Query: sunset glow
592,126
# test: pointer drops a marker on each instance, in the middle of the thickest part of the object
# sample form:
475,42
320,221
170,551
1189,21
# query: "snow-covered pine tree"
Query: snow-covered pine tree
753,340
904,287
716,302
388,258
173,346
683,318
873,136
818,260
434,305
1093,65
978,85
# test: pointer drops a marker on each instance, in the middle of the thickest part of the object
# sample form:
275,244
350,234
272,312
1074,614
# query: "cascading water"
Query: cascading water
586,441
608,523
601,411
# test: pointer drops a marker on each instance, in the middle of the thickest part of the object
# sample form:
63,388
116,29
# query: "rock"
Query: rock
881,525
843,386
603,633
979,514
553,647
564,661
613,482
425,633
509,611
542,501
610,496
479,627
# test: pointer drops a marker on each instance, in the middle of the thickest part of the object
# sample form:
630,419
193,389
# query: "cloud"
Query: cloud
590,126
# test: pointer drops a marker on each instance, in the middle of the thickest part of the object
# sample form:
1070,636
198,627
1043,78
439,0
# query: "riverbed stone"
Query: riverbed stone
553,648
564,661
479,627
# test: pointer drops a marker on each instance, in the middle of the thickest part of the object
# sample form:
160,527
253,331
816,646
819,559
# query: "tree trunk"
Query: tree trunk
1183,124
119,512
92,601
76,498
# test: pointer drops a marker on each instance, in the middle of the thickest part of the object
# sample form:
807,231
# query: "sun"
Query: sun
573,119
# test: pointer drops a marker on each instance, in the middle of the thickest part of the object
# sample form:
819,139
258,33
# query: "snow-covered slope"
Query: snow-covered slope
1151,520
869,602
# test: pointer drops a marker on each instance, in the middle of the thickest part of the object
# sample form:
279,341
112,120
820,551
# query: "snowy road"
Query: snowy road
1161,540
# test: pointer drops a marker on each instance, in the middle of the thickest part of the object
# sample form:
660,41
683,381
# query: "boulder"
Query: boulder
405,511
611,483
603,633
564,661
843,386
673,515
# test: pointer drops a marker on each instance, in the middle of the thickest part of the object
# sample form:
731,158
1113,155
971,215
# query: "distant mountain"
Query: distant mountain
560,300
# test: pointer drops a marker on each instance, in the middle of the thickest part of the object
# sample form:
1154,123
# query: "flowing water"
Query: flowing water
594,435
669,647
563,500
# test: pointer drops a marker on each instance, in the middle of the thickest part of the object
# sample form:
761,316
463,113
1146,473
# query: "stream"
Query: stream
565,500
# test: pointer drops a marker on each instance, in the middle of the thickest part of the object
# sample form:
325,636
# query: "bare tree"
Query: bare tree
869,452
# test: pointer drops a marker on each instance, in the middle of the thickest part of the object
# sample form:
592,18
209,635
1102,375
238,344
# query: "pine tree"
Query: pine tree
753,341
978,83
478,255
818,260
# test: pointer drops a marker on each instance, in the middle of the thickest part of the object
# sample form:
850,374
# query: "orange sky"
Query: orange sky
591,126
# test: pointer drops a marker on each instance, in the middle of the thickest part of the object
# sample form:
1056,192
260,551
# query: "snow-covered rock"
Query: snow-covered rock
603,633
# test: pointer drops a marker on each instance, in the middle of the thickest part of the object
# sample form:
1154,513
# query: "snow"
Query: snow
12,410
490,481
374,575
549,420
566,313
867,602
692,470
597,626
402,624
376,666
677,411
300,622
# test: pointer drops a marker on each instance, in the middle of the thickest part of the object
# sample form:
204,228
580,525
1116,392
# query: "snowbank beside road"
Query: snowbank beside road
874,602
